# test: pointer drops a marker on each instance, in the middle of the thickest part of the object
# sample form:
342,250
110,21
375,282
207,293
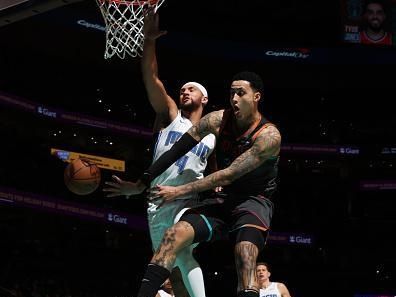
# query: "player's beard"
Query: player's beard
189,106
376,27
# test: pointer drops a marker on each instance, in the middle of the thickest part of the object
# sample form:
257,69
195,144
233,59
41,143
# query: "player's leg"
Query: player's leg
249,241
206,228
159,221
192,228
251,221
191,272
175,239
246,253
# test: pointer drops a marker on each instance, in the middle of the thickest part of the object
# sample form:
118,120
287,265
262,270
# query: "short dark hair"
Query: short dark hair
253,78
380,2
265,264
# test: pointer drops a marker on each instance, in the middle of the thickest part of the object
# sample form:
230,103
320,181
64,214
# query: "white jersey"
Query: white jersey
162,293
188,168
271,291
191,166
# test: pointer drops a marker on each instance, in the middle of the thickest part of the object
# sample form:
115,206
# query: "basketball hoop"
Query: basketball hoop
124,25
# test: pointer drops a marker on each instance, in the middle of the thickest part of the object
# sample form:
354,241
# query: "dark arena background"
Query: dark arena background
332,99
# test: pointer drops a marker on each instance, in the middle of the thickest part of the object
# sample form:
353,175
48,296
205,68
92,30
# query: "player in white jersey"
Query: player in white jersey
268,288
170,124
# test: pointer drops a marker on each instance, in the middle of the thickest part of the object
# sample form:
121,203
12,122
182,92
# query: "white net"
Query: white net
124,26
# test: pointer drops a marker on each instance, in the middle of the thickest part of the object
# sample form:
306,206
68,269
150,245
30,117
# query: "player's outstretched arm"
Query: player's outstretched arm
208,124
162,103
266,145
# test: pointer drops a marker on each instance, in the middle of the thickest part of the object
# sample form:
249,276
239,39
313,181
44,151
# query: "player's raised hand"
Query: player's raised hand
151,25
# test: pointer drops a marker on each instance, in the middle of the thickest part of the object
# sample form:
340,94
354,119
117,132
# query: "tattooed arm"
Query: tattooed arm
210,123
266,145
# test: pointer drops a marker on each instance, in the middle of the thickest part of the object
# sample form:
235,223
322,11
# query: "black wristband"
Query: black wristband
180,148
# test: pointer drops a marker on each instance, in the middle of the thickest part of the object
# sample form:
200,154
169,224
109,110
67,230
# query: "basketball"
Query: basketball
82,177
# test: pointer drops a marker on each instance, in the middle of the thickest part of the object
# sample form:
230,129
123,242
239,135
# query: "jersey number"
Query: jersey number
181,163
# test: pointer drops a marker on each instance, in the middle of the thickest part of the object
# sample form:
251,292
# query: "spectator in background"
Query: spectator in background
374,24
268,288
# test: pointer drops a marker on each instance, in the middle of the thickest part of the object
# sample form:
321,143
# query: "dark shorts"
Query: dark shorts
231,219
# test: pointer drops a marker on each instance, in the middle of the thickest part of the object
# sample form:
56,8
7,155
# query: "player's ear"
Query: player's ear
204,100
257,96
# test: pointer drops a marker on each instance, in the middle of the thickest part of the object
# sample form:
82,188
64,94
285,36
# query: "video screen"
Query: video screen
369,22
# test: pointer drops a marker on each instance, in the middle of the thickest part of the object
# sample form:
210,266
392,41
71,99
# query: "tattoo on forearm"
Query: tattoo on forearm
211,181
266,145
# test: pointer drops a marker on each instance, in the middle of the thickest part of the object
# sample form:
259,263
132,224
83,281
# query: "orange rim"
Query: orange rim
134,2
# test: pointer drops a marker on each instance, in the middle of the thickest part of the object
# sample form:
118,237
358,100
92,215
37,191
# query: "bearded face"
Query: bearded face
375,16
191,98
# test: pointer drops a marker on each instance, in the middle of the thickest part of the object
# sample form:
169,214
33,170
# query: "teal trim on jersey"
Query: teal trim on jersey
209,227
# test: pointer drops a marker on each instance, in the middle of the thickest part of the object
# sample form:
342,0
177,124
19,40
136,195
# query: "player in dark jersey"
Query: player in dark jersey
247,153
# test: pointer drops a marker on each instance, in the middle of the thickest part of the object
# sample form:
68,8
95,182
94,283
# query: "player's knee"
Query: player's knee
178,236
251,235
